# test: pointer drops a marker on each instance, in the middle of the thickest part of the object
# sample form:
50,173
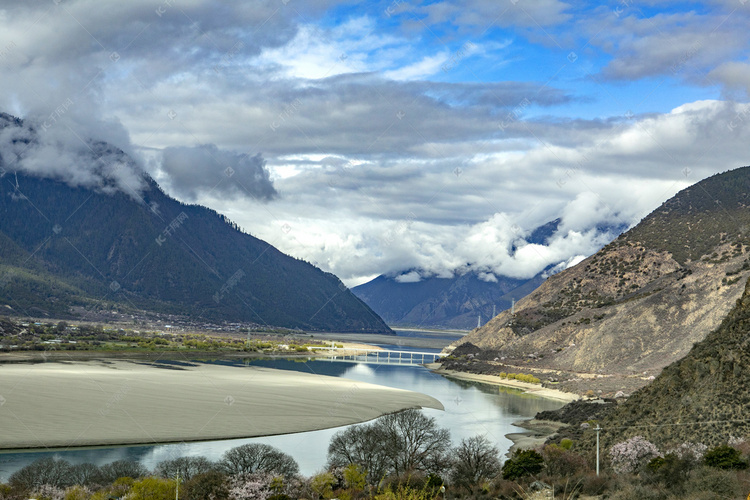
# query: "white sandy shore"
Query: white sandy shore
492,379
56,405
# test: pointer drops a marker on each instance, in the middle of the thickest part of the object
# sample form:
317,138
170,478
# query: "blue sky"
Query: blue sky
382,137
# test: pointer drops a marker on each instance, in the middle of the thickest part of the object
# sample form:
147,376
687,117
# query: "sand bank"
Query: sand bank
119,402
492,379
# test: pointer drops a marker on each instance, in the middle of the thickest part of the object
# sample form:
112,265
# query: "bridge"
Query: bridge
380,356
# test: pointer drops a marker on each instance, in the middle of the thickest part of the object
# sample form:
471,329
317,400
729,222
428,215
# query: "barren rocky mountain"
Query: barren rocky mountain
642,301
702,397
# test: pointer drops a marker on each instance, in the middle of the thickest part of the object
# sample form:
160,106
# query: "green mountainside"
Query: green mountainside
66,250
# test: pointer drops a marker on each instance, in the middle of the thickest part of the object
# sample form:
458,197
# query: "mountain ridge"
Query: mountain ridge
643,300
63,248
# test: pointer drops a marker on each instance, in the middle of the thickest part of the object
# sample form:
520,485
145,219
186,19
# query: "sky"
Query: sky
408,138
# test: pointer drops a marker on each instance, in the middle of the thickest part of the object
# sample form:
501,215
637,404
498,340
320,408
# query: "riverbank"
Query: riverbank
535,434
535,389
107,402
168,354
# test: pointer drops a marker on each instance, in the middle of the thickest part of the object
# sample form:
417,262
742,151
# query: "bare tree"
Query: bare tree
413,442
475,460
255,457
85,474
361,445
122,468
52,471
395,444
187,467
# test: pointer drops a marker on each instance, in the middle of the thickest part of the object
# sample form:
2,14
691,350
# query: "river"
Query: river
470,408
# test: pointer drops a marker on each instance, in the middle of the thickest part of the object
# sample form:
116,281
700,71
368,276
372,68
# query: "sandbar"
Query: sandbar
76,404
528,388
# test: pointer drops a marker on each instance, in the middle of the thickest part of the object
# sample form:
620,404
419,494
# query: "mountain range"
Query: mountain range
642,301
68,250
456,302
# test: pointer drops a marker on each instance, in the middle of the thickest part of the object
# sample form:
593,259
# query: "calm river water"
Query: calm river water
470,408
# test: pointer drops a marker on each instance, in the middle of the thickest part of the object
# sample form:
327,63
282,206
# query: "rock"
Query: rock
539,486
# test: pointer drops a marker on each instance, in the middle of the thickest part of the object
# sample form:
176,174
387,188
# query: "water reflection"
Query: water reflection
470,408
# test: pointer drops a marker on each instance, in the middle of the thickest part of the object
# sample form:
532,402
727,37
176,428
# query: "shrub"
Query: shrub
629,456
355,477
48,492
722,483
322,485
77,493
523,463
562,462
670,469
153,488
639,492
725,457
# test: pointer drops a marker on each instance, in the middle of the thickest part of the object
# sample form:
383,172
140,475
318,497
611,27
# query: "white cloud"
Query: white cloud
427,66
410,277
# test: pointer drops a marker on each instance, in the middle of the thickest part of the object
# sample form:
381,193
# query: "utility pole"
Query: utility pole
479,321
512,306
177,487
597,448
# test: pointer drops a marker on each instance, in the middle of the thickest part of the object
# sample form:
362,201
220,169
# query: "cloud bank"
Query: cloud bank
395,135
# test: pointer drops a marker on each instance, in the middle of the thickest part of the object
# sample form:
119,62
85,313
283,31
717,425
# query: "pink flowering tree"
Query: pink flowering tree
690,451
629,456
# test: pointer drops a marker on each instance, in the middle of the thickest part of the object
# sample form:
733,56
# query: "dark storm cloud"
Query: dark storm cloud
205,169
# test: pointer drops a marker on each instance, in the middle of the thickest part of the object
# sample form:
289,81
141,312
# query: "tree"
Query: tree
361,445
629,456
725,457
187,467
85,474
396,444
255,457
414,442
122,468
475,460
50,471
210,485
523,463
153,488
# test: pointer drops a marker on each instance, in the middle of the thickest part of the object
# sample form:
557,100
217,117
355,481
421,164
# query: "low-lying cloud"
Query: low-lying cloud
192,172
47,149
